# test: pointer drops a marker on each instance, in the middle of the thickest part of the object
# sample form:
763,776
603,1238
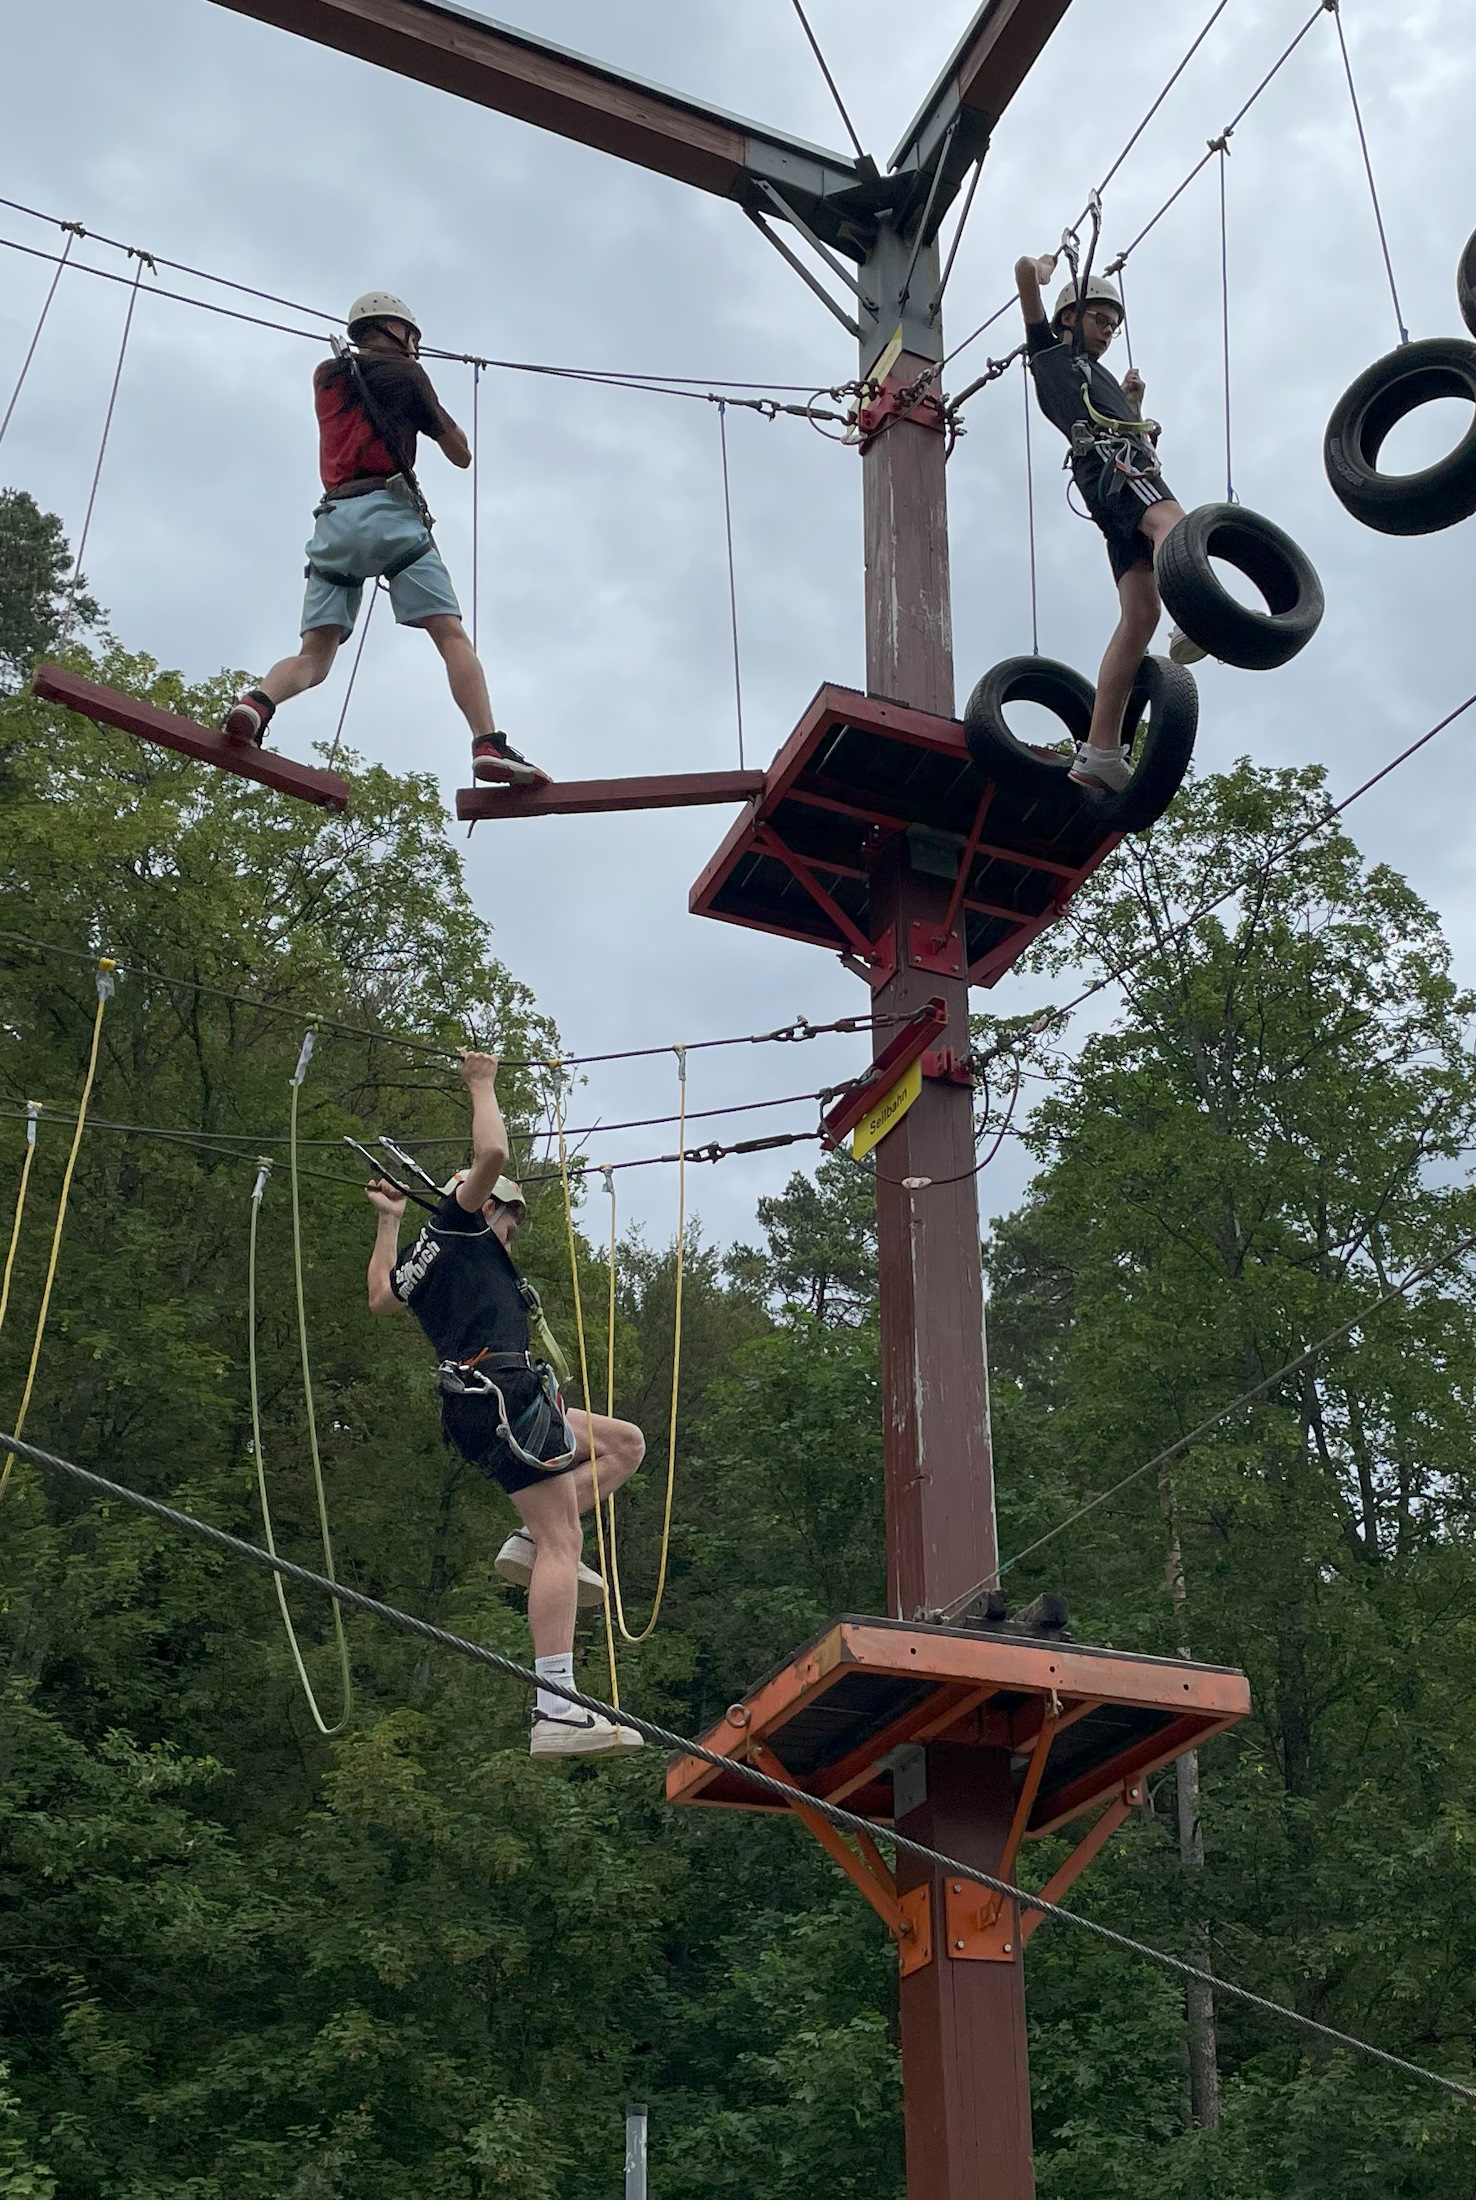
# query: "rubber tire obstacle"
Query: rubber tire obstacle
1466,283
1384,394
1162,711
1200,603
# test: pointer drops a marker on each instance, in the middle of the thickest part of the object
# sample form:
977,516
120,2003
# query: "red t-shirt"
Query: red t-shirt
349,446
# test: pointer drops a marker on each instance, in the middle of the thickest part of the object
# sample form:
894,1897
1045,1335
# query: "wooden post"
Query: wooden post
965,2073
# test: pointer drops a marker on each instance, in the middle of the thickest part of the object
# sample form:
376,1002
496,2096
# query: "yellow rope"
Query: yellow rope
594,1465
106,967
33,1110
266,1511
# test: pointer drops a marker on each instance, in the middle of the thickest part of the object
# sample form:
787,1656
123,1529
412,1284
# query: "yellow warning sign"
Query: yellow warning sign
888,1111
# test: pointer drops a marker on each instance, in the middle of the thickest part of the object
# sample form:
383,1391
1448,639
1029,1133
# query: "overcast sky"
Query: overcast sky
603,613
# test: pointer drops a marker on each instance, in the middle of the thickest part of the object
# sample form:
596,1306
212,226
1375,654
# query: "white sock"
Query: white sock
559,1668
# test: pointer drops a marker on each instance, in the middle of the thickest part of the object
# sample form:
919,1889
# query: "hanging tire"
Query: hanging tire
1008,761
1405,504
1163,715
1255,640
1466,284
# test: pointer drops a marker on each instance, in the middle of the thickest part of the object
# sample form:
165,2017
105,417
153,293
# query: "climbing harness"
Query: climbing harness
348,357
526,1435
106,987
340,1640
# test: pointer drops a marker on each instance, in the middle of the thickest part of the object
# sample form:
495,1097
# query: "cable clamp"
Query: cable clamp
308,1042
1221,144
106,980
33,1111
681,1055
263,1171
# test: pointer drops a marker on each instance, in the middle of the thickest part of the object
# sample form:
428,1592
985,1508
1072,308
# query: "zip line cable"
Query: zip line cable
74,230
1246,1397
102,451
1335,11
830,80
722,419
264,1169
759,1783
33,1111
106,985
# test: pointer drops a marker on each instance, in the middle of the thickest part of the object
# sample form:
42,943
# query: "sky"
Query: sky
602,605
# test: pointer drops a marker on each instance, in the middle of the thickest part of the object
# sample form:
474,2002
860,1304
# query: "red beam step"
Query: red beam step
204,743
571,797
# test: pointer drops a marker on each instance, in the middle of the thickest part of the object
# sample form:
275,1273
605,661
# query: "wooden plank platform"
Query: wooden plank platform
206,744
578,797
837,1711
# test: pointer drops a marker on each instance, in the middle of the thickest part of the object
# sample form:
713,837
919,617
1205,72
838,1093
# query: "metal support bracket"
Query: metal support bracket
908,1918
946,1067
870,952
982,1926
896,400
1076,1863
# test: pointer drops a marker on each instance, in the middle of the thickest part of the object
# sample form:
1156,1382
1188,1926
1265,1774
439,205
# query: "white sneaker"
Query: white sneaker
1182,650
514,1563
576,1733
1109,769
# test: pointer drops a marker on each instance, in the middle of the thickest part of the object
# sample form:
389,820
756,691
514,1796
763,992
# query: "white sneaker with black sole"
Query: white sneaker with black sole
514,1563
1108,769
576,1733
1182,650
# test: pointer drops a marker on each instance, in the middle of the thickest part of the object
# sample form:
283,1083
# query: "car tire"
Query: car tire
1437,496
1237,633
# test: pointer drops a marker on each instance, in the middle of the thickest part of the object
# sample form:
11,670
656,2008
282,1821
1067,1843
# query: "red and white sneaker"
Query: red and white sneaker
248,717
493,759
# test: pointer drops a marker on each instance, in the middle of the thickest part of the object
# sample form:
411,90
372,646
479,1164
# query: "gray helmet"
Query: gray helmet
1097,287
380,305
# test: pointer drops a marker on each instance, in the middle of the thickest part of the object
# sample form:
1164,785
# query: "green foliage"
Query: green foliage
35,587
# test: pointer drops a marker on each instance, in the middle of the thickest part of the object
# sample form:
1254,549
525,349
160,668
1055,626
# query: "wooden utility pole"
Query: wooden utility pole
965,2072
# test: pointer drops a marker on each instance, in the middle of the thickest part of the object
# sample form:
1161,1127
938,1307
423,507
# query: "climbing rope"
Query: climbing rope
33,1110
476,492
1224,152
264,1170
1030,514
144,261
1336,13
74,231
106,986
722,417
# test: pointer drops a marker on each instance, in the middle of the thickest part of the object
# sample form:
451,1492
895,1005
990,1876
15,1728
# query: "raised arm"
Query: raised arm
390,1206
489,1132
1029,275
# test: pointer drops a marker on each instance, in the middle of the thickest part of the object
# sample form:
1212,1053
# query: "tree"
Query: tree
36,593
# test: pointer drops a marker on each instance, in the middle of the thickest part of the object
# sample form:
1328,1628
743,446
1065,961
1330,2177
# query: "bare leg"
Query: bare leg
1138,594
463,671
551,1517
619,1448
308,669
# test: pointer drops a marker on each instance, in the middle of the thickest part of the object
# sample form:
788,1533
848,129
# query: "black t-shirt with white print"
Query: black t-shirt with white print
459,1282
1059,383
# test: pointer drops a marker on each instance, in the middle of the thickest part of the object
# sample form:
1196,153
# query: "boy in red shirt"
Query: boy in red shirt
372,403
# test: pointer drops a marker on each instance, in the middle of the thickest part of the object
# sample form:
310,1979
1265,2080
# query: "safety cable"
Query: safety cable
105,971
348,693
759,1783
102,450
33,1111
830,80
1246,1397
319,1492
74,231
1163,95
722,419
476,498
262,1173
1030,512
1336,13
1230,496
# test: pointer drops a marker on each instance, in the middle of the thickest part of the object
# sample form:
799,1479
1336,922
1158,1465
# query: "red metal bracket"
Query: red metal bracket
890,403
911,1042
1077,1862
908,1917
982,1926
942,953
946,1067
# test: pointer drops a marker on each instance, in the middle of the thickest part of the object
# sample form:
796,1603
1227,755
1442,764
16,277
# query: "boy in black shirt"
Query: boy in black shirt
1116,469
371,405
501,1406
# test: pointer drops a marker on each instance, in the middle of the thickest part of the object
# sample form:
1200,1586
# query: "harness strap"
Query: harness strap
400,564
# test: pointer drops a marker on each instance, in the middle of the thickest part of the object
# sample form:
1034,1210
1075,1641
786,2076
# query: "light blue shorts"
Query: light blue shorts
358,538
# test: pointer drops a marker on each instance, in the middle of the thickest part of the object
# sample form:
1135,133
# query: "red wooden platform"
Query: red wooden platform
848,1718
206,744
578,797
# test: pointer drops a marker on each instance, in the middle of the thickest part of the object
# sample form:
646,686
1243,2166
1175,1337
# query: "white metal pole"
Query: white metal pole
635,2153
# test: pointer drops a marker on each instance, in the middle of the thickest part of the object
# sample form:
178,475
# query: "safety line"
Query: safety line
102,452
1337,15
759,1783
1246,1397
20,384
722,418
348,693
1030,512
1230,496
106,984
830,80
262,1173
33,1110
476,498
1163,95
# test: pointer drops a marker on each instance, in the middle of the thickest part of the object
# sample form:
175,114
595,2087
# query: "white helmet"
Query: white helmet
1097,287
504,1191
380,305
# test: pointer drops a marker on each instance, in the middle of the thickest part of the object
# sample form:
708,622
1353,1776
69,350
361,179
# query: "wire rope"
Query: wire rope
759,1783
262,1173
75,230
33,1110
1163,95
1030,514
102,449
1335,11
348,693
476,498
722,418
830,80
106,985
1230,496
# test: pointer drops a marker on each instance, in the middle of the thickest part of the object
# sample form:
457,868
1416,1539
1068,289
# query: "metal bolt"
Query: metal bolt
1009,1947
958,1944
958,1886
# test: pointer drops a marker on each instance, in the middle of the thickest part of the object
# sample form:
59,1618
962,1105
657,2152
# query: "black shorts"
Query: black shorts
1119,514
469,1423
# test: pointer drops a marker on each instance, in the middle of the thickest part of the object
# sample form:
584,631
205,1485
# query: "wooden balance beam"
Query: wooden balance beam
204,743
571,797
